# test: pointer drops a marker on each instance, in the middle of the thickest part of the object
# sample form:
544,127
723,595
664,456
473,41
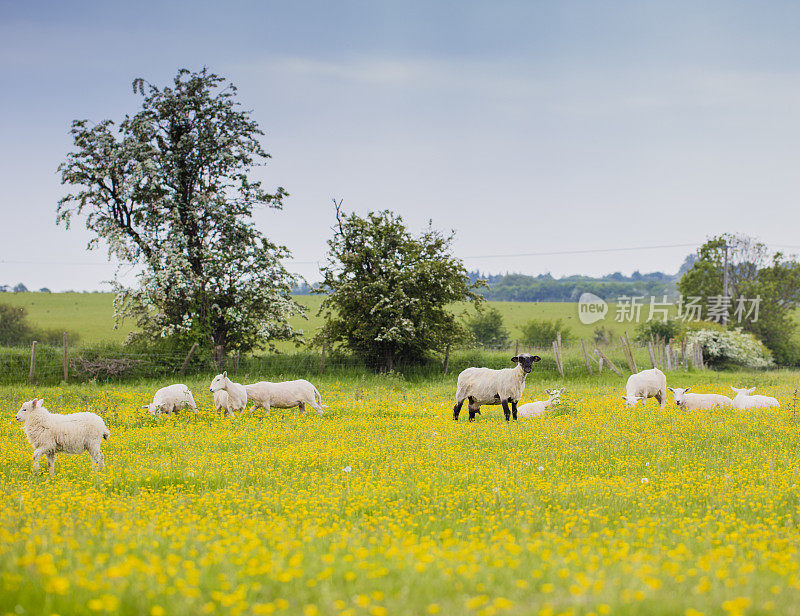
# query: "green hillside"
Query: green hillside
91,315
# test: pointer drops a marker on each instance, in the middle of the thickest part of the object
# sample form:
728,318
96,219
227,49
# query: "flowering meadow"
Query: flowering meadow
386,506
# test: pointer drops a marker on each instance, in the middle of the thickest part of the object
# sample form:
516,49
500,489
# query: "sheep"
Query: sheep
236,399
51,433
171,399
745,400
488,386
285,395
646,384
693,402
537,408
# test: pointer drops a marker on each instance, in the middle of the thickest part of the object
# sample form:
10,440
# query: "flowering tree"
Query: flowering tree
388,292
170,192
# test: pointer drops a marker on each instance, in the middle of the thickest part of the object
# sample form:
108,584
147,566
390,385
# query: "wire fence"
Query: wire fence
46,364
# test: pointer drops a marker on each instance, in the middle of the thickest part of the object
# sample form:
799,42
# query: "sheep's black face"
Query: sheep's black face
526,361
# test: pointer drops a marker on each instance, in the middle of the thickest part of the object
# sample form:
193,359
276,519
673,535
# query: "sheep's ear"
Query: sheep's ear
41,403
225,374
734,389
563,389
146,406
672,390
751,390
624,398
515,359
687,389
537,358
34,402
547,391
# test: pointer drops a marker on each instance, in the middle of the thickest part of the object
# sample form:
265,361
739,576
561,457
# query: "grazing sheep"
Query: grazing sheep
538,407
745,400
285,395
693,402
171,399
646,384
487,386
236,399
51,433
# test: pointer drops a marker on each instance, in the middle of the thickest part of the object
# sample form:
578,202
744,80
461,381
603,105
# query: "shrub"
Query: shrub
14,329
488,329
542,333
731,347
664,330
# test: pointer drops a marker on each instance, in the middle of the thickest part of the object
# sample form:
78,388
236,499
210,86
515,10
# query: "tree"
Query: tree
170,193
488,329
542,333
752,274
388,292
14,327
20,288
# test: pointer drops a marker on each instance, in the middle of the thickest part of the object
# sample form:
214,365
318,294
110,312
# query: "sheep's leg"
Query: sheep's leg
37,453
51,462
302,407
474,408
506,410
514,409
457,409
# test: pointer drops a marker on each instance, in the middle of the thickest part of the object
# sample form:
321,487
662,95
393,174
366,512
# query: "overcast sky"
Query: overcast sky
526,127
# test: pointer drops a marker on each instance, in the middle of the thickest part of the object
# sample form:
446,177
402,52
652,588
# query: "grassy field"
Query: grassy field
91,315
386,506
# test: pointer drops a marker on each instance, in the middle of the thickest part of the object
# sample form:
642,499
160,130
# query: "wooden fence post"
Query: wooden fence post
652,354
66,357
322,357
516,348
629,354
558,359
586,357
236,362
670,356
447,358
188,358
608,362
32,371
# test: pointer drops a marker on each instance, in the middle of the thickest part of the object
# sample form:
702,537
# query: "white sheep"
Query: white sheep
537,408
171,399
745,400
487,386
285,395
236,399
693,402
646,384
51,433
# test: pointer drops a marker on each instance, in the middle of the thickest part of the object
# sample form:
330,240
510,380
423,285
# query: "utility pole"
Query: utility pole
725,284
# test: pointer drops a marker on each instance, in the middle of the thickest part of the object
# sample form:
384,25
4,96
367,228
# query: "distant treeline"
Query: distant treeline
545,288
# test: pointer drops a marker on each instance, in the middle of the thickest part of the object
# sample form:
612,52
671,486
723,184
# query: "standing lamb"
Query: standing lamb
745,400
51,433
236,399
693,402
487,386
646,384
538,407
171,399
285,395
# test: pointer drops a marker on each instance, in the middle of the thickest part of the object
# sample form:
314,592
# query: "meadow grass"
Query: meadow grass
593,509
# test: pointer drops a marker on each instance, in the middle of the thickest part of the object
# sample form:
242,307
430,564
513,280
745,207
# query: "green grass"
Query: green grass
91,316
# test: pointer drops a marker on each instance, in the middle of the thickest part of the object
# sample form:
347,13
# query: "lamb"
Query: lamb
487,386
693,402
285,395
51,433
646,384
236,398
538,408
220,399
171,399
745,400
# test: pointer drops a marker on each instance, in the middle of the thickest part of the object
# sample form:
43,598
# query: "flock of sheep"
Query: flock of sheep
51,433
